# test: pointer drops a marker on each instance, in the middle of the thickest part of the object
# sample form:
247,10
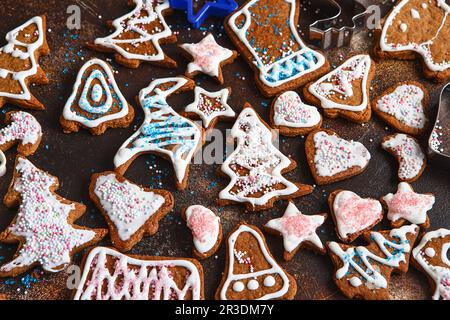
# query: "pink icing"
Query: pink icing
298,225
23,127
403,202
201,223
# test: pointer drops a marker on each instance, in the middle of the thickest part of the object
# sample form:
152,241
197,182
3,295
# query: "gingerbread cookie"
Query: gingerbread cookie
24,130
332,158
269,41
408,206
256,167
130,210
44,225
164,132
96,102
344,92
139,34
111,275
251,271
19,63
352,214
298,230
293,117
431,258
404,107
365,272
208,58
210,107
409,154
206,230
418,27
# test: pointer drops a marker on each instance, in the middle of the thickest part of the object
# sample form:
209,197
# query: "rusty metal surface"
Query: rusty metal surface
73,158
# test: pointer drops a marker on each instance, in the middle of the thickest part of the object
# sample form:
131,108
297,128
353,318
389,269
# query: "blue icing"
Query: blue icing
292,67
97,92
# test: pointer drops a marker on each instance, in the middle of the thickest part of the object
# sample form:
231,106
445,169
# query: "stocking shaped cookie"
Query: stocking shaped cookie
164,131
129,209
352,214
404,107
110,275
256,167
365,272
293,117
332,159
96,102
344,92
23,129
19,64
268,40
431,257
44,223
138,35
251,271
409,154
404,35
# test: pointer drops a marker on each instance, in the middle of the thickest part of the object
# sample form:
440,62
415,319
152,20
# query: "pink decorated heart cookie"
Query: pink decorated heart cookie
352,214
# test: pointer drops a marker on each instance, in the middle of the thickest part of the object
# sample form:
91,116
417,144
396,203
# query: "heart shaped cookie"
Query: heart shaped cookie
292,117
352,214
332,158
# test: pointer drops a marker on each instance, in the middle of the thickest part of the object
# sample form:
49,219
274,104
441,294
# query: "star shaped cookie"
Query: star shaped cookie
297,230
408,206
208,57
210,107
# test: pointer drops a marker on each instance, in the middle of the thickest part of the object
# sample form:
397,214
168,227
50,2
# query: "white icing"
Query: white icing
207,55
274,269
269,281
354,214
29,54
23,127
133,22
163,131
411,156
205,226
140,279
362,262
253,285
42,221
297,228
421,48
290,61
256,153
238,286
439,273
335,155
207,115
108,87
408,205
290,111
405,103
128,206
340,82
415,14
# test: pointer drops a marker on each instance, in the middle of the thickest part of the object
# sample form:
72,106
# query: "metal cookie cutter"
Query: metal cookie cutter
438,147
349,15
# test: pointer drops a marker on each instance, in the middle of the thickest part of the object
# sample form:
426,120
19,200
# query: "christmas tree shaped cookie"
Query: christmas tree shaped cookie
431,257
269,41
24,130
365,272
164,131
139,34
251,272
96,102
111,275
344,92
19,64
44,223
130,210
256,167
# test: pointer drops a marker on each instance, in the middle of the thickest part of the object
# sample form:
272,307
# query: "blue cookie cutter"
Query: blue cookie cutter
217,8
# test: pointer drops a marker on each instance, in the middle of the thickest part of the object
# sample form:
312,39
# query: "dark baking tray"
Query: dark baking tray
73,158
